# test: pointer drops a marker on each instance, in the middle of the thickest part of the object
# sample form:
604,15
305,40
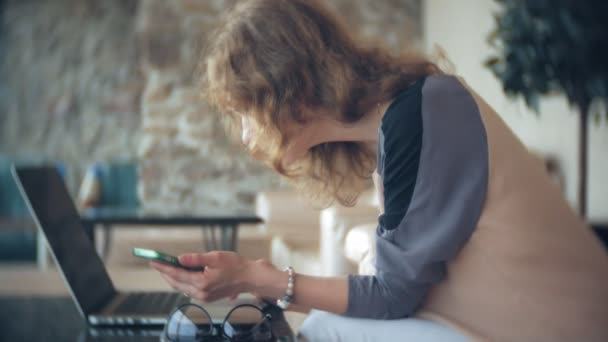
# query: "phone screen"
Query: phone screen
153,255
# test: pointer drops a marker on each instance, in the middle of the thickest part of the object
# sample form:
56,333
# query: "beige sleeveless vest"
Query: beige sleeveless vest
532,270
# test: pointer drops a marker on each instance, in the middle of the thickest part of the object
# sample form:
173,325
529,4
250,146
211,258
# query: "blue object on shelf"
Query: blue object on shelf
118,184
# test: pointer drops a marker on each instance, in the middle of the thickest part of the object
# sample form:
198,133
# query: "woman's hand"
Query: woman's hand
226,274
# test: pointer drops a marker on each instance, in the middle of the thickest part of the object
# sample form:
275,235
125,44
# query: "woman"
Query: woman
473,235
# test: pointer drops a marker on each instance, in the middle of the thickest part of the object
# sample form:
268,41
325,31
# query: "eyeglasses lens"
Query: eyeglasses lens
189,323
248,323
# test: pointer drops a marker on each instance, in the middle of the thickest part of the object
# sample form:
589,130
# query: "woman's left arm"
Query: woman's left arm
434,173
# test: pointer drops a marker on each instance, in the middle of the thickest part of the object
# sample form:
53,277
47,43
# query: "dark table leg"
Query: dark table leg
235,235
221,237
107,241
217,237
229,237
209,238
224,237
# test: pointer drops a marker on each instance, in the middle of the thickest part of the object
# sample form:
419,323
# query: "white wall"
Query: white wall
461,27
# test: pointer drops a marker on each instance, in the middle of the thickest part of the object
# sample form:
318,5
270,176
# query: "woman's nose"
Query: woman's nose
245,132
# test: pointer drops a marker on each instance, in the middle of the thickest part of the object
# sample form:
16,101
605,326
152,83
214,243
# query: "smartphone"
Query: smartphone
153,255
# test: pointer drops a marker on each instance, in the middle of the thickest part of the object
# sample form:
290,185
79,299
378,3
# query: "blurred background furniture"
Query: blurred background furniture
293,226
120,222
328,242
348,235
220,227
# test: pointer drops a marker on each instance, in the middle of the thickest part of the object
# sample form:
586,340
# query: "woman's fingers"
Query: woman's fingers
215,259
178,273
192,291
187,289
193,260
191,285
177,286
219,280
209,293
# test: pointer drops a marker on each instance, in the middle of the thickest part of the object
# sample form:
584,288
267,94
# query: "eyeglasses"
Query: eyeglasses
191,322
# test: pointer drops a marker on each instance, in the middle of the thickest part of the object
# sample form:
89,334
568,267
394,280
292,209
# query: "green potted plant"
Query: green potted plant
554,46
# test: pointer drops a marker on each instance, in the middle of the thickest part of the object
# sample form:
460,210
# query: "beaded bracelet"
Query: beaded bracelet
284,303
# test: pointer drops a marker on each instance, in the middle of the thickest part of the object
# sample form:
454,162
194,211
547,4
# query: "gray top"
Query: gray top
433,162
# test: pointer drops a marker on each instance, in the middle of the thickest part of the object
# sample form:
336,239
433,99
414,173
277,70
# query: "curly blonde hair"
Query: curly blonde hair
269,59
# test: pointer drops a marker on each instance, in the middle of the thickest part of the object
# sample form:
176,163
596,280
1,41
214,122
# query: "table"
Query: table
56,319
220,227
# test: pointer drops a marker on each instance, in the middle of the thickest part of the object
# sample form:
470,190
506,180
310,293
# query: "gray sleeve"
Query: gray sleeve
446,203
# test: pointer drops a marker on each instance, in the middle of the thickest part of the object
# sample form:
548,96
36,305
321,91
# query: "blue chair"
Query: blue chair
118,185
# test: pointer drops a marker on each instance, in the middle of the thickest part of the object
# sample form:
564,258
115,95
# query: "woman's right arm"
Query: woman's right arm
227,274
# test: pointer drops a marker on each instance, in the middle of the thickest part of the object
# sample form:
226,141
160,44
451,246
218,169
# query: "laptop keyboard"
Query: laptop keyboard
150,303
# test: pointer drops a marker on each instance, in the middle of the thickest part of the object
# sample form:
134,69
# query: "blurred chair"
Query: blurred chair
119,184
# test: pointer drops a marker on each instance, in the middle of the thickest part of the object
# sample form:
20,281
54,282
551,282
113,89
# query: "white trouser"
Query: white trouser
326,327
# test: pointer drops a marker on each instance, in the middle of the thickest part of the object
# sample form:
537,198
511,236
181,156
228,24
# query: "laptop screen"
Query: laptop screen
55,213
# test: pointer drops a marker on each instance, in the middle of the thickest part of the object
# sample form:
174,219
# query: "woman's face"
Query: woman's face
301,137
246,130
298,138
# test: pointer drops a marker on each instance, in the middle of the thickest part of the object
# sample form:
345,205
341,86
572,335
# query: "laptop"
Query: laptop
82,269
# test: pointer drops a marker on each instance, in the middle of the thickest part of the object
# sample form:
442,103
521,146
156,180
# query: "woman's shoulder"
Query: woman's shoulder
438,87
402,123
404,115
